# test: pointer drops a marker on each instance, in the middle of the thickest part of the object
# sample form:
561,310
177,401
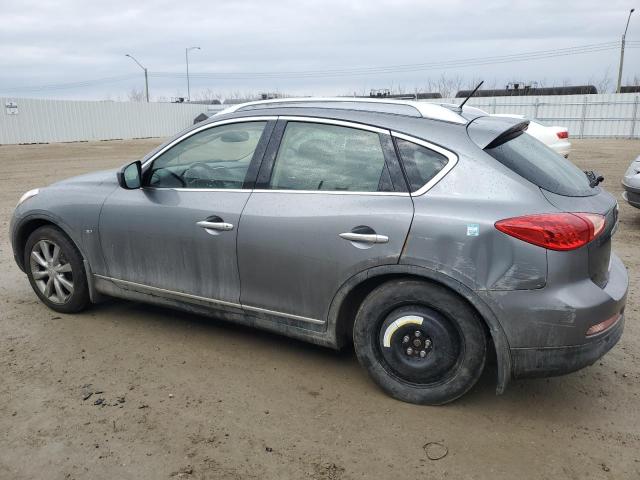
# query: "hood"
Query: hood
88,179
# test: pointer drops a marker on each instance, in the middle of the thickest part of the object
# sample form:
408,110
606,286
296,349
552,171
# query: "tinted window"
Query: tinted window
218,157
315,156
542,166
420,163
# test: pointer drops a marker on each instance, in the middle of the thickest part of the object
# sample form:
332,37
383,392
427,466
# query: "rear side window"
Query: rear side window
543,167
315,156
420,163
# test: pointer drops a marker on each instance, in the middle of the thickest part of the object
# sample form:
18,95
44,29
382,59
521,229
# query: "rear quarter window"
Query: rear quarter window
420,163
534,161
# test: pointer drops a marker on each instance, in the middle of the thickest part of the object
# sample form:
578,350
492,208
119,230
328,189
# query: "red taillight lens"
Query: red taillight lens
555,231
564,134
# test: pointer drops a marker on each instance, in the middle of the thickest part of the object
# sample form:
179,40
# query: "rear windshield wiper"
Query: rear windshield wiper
594,179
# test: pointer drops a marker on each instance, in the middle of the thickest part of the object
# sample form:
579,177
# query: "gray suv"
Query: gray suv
433,238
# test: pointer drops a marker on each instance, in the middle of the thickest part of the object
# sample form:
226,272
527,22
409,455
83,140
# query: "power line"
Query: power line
401,68
342,72
78,84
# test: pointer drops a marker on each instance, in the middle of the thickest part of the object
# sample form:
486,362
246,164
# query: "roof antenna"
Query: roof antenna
470,95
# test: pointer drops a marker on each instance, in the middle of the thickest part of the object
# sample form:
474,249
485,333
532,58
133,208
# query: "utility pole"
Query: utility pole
146,77
186,57
622,51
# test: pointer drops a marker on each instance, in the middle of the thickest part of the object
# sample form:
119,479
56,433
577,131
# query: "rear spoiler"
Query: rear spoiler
489,132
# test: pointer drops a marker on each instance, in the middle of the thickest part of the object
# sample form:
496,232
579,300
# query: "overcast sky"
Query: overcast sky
58,42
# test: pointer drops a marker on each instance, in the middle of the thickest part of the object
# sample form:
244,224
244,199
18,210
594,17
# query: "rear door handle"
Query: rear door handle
364,237
221,226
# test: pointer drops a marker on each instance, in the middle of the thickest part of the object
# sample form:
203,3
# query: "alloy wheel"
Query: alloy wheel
51,271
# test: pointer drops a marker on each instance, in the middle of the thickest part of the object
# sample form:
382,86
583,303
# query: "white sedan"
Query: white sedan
555,137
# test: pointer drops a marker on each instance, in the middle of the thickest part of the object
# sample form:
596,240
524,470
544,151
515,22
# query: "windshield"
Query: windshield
542,166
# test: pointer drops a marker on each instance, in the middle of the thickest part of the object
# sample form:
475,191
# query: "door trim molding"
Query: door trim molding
214,301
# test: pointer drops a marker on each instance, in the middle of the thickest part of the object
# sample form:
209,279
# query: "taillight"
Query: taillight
564,134
555,231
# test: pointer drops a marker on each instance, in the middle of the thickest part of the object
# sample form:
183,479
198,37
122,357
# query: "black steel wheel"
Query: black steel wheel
420,341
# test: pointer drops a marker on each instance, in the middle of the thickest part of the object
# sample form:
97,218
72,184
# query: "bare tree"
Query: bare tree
449,86
633,82
603,84
136,95
207,95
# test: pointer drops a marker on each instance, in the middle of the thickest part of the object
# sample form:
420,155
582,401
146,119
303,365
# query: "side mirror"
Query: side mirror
130,176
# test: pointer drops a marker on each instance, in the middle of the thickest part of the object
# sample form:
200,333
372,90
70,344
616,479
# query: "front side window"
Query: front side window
420,163
217,157
315,156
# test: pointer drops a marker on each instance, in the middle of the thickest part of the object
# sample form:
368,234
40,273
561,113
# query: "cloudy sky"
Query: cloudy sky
76,48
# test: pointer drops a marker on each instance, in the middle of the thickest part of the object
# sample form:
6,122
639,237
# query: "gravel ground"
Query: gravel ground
125,390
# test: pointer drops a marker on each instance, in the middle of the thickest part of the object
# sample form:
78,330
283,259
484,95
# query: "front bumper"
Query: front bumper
631,195
547,362
13,235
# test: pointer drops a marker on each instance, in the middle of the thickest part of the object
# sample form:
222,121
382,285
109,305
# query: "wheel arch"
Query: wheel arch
26,228
29,225
351,294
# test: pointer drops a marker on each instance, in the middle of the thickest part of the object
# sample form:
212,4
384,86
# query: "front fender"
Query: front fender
23,224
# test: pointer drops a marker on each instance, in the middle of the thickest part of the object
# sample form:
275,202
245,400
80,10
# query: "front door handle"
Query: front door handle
221,226
364,237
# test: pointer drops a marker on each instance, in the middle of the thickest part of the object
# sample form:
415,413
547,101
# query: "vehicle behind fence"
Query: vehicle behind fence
608,115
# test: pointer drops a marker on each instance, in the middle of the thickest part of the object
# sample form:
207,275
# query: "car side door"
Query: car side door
178,232
330,201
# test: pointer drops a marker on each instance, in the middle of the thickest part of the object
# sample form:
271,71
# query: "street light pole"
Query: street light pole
186,56
622,51
146,77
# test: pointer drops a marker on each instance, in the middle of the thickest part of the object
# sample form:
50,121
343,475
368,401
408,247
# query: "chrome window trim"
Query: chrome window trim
260,118
211,300
181,189
266,190
451,157
334,192
330,121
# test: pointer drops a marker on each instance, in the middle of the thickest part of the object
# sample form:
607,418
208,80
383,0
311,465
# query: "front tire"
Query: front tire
56,270
420,342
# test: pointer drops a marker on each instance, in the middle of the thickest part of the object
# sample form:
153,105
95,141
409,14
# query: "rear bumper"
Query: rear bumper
563,148
547,362
546,328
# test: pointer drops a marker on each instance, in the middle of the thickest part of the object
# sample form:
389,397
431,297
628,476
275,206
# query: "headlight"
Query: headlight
28,195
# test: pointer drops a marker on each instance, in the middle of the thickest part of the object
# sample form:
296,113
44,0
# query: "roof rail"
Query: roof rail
432,111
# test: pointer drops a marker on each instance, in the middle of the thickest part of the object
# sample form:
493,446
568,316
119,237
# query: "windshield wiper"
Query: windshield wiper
594,179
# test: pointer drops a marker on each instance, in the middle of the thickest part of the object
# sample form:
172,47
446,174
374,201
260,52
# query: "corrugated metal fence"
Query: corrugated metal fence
43,121
603,115
25,120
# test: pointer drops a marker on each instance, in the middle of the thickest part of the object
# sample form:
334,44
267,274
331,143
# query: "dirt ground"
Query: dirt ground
188,397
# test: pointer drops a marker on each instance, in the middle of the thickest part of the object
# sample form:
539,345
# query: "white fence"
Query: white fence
25,120
44,121
615,115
